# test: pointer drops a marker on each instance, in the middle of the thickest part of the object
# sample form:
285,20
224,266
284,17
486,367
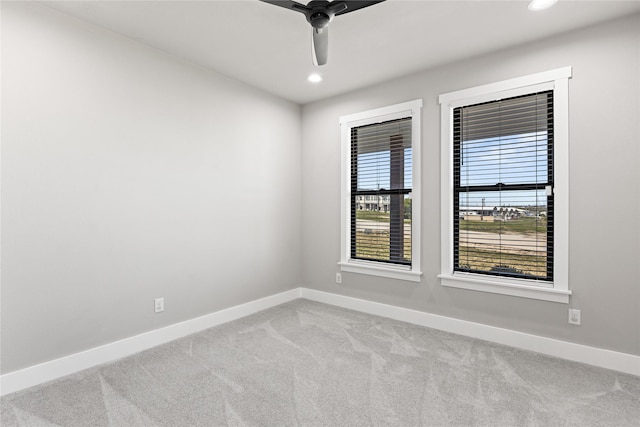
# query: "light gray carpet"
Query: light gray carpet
305,363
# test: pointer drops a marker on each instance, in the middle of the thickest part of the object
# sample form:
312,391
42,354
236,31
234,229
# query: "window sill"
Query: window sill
477,283
375,269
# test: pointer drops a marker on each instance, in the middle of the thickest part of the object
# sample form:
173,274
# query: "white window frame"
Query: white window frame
558,290
393,271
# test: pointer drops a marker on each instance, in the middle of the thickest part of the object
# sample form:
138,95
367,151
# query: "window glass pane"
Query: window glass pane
408,168
383,153
383,229
381,173
373,170
503,232
514,159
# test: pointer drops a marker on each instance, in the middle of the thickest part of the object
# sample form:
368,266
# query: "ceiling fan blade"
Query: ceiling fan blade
289,4
353,5
320,45
335,7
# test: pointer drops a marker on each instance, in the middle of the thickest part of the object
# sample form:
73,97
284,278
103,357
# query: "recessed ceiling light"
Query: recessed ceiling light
541,4
314,78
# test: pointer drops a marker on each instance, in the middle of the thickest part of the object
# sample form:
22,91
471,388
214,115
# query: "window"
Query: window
381,152
504,198
502,187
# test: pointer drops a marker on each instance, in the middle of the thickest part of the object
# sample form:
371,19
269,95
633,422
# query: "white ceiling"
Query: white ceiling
269,47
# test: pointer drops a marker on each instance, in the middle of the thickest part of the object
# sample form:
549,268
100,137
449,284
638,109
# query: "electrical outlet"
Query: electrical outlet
574,316
159,305
338,278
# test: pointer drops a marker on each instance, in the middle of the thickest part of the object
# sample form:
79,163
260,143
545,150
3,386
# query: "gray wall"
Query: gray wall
126,176
604,189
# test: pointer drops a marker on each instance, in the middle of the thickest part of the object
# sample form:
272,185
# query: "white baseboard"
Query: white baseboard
622,362
47,371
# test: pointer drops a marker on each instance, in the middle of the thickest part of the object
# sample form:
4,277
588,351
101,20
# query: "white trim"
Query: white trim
47,371
558,291
376,269
367,116
479,98
505,85
411,109
608,359
561,183
477,282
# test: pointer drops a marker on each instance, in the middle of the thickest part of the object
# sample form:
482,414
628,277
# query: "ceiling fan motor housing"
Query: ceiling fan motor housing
319,20
321,12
